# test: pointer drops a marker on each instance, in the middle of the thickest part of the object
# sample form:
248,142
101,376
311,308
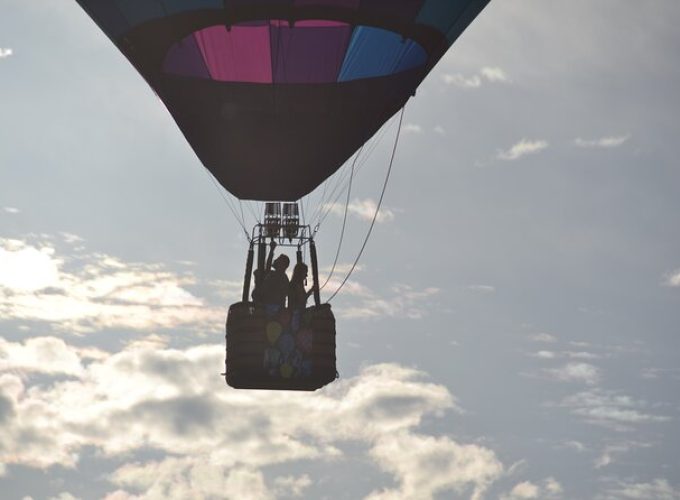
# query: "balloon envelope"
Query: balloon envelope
275,95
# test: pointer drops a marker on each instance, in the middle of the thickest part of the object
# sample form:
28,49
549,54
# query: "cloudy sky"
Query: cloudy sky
512,331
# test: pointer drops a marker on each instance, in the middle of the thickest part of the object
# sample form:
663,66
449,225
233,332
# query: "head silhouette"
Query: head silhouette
299,272
281,263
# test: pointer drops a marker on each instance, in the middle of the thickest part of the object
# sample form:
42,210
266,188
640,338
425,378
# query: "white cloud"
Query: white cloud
440,130
610,452
291,485
189,478
427,466
412,128
581,355
40,355
604,142
486,74
543,337
149,396
573,445
672,279
459,80
342,268
544,354
11,210
576,372
402,301
522,148
65,495
25,268
362,209
655,373
524,489
658,489
603,460
553,486
610,409
89,292
494,74
5,53
482,288
549,488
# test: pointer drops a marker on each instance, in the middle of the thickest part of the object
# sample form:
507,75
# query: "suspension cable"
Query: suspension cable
325,211
338,180
344,223
377,209
226,200
240,205
249,206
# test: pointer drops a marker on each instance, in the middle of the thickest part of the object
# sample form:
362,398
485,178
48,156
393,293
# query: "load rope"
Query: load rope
377,209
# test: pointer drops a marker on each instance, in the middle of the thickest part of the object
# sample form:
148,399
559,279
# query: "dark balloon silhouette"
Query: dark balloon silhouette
281,90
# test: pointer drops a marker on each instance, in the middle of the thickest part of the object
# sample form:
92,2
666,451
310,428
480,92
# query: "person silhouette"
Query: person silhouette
276,284
297,295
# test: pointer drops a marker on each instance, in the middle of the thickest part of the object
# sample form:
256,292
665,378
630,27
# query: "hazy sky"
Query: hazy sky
512,332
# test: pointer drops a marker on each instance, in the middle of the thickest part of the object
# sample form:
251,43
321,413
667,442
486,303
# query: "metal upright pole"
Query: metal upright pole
270,257
315,272
249,272
261,251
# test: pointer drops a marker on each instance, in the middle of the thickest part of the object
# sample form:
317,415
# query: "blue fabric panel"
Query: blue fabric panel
376,52
412,57
442,14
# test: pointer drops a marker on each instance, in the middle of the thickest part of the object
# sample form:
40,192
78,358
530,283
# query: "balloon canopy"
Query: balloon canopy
275,95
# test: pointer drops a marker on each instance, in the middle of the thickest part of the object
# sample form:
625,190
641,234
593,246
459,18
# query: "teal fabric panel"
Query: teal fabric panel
177,6
115,17
442,14
138,11
107,15
465,19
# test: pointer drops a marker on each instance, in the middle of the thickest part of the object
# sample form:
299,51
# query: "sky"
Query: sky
510,333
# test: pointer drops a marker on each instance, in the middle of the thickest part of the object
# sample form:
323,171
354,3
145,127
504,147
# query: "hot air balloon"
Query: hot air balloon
274,96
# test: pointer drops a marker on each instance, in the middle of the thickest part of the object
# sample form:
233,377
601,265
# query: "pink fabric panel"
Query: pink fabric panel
319,23
308,23
241,54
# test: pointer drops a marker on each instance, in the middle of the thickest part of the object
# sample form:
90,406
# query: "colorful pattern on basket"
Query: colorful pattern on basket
290,340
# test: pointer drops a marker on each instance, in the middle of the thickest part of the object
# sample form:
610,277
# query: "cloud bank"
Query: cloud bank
402,301
88,292
611,409
152,397
657,489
